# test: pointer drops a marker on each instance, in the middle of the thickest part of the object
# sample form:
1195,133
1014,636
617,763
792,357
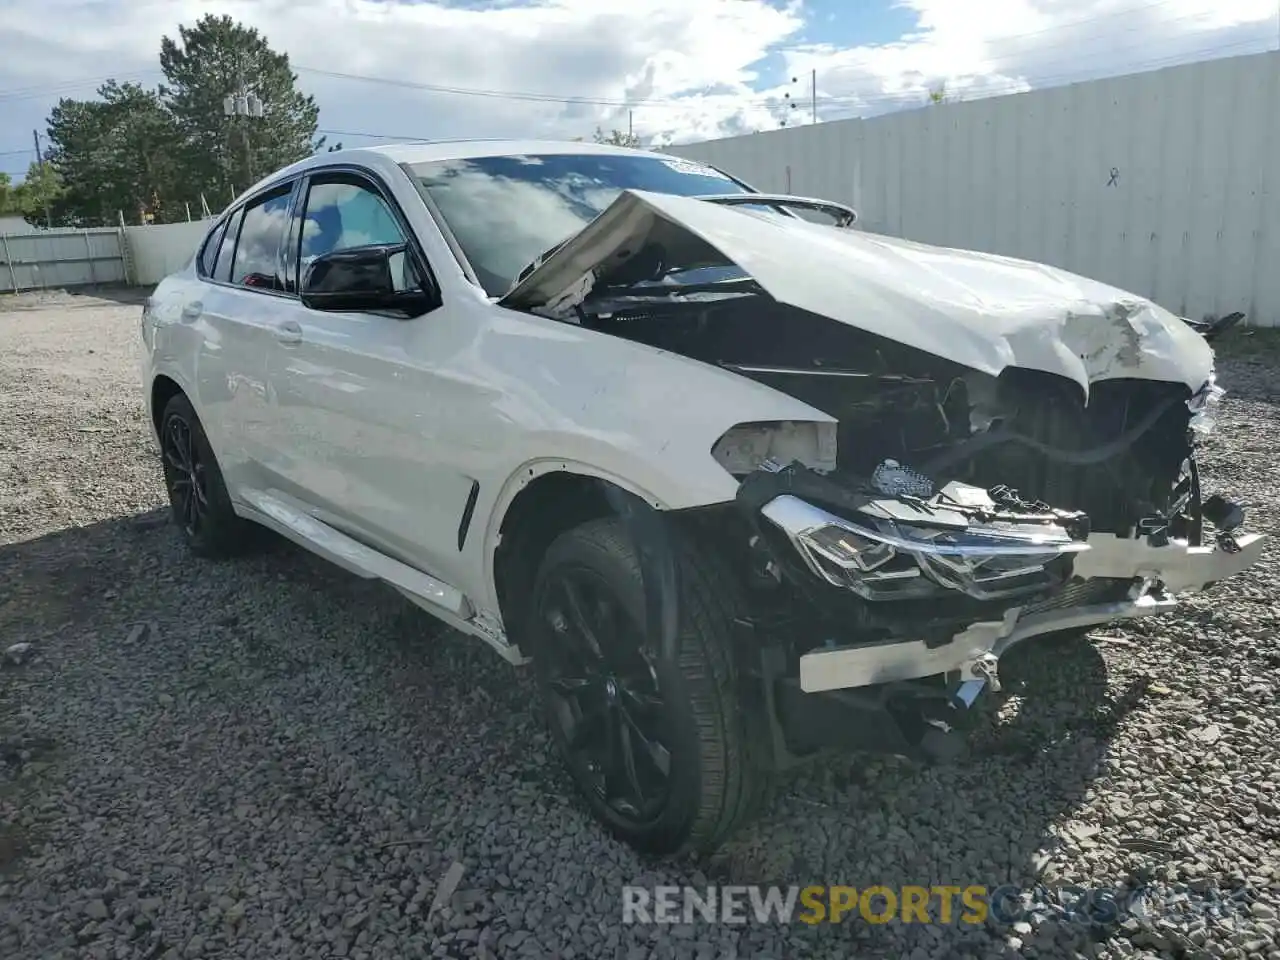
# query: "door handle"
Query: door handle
192,311
290,331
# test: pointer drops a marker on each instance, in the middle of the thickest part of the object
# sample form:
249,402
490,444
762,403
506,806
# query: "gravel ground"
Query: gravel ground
270,758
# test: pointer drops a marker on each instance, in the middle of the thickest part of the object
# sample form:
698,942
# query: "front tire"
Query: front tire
659,750
197,494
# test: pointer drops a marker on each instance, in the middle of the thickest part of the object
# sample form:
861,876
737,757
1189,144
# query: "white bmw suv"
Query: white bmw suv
742,480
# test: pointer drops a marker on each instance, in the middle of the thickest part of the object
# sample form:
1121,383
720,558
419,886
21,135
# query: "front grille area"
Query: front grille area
1086,593
1126,486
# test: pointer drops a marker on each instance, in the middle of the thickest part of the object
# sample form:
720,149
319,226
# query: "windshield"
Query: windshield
507,211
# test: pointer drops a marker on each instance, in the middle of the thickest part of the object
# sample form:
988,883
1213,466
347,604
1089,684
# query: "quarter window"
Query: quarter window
209,255
227,252
257,262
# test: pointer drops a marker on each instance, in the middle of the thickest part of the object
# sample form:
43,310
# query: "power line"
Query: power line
480,92
70,86
1073,58
374,136
688,100
672,102
829,100
853,101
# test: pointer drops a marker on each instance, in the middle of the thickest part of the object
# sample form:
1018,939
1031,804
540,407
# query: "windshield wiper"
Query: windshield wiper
843,216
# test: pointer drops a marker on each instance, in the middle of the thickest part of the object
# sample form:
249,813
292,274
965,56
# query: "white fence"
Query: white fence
51,259
1164,183
157,251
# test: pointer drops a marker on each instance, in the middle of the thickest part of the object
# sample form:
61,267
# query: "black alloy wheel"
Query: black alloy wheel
197,494
185,475
657,746
605,697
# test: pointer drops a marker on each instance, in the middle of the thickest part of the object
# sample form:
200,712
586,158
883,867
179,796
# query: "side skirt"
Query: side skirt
436,597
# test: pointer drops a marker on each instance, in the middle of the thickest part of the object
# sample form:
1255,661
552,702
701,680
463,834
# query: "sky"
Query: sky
670,70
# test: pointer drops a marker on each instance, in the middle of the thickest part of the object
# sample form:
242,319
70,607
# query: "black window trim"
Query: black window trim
379,187
261,196
218,230
234,218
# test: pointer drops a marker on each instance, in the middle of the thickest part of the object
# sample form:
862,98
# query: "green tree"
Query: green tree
616,137
939,94
8,206
210,61
39,197
114,154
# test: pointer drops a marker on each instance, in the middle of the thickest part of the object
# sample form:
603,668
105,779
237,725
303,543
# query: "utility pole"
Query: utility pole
48,215
791,103
813,96
244,106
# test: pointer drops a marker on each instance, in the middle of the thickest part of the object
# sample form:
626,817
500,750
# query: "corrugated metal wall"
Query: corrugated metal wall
1164,183
48,259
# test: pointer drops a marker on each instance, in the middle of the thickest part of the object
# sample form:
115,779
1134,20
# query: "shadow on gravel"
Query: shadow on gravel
125,296
72,297
439,740
993,820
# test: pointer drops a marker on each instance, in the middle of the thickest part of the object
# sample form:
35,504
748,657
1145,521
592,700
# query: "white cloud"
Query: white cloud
691,68
975,48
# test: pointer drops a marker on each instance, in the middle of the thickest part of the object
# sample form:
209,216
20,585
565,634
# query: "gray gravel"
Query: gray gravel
269,758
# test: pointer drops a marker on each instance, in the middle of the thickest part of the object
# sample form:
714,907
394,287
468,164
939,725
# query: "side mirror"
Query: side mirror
373,277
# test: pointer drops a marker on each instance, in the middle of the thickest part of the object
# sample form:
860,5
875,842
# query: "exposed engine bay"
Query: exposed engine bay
998,449
1116,456
937,482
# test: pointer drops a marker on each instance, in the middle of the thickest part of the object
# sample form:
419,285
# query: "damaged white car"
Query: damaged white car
743,481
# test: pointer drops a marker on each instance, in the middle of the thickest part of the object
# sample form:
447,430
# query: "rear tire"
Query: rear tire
197,494
659,751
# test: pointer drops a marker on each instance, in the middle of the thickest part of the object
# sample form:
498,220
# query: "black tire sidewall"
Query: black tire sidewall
222,526
604,548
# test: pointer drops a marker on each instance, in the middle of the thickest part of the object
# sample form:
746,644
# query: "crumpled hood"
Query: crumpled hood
980,310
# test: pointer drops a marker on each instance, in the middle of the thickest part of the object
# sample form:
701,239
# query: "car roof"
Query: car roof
465,149
392,154
462,150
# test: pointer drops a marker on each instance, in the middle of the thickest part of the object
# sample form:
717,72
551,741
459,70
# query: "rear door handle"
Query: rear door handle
192,311
290,331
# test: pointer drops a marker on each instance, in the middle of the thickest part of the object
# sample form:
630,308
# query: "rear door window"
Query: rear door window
257,260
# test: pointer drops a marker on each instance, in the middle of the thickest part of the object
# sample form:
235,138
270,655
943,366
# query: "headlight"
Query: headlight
882,558
1204,408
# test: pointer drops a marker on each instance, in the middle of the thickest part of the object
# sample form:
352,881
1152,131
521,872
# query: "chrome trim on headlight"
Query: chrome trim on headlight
882,560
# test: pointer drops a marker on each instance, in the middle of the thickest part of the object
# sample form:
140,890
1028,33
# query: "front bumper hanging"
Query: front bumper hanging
1158,574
